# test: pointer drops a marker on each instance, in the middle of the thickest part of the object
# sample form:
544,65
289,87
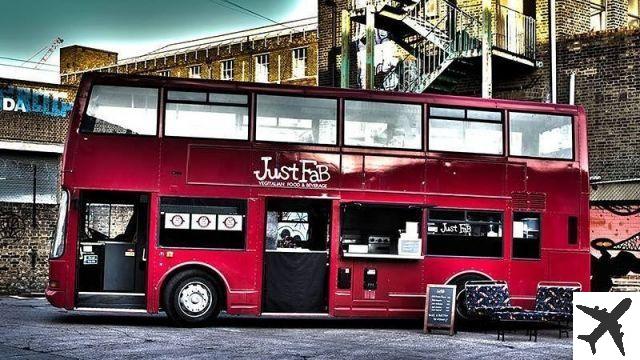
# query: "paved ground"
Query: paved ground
32,329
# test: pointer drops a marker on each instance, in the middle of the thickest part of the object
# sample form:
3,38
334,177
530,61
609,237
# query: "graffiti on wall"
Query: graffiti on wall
12,226
615,248
39,101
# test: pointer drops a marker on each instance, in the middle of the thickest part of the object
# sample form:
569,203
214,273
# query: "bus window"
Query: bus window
462,130
383,124
121,110
301,225
202,223
189,114
296,119
379,229
464,233
541,135
526,235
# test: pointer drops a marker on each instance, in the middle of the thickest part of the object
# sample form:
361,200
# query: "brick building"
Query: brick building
597,45
281,53
33,127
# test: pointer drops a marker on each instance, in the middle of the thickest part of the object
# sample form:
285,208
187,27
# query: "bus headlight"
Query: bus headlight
57,245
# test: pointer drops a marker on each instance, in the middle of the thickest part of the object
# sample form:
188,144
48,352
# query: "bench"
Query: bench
490,301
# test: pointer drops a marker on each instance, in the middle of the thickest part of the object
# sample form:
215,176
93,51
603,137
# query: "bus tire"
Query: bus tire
191,298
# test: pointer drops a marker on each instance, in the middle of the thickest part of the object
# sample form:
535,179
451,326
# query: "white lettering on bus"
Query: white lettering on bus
305,173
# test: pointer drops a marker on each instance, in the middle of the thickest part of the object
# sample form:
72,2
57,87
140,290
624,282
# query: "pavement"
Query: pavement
32,329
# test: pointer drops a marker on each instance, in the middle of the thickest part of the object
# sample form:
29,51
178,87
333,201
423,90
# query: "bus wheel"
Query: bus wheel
191,299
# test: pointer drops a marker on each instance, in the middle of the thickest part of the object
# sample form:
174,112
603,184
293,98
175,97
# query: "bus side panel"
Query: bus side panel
569,266
239,271
131,163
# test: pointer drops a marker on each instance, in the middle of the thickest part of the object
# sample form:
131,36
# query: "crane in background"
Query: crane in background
48,51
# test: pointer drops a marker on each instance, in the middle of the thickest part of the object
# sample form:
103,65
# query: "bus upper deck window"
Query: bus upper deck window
383,124
209,116
297,119
541,135
465,130
121,110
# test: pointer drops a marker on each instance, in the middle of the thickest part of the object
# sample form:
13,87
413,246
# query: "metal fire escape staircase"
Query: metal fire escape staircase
434,34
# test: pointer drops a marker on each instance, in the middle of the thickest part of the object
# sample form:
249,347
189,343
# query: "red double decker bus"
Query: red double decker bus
195,196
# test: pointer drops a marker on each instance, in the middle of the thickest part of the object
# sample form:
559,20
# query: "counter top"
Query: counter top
383,256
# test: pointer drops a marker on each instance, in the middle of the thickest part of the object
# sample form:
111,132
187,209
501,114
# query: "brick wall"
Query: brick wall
76,58
572,17
617,13
606,66
24,249
329,13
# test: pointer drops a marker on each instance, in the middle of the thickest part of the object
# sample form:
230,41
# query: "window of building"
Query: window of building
465,130
634,13
541,135
262,68
121,110
464,233
165,73
297,119
299,63
381,229
598,14
203,223
226,70
194,71
383,124
526,235
202,115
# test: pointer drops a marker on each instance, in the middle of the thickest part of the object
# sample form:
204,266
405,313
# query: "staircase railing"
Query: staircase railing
461,30
445,33
515,32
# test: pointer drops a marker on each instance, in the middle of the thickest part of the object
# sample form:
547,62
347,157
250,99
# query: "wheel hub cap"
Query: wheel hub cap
195,298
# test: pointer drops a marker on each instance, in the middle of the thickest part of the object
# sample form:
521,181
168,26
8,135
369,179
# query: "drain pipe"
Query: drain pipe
552,44
572,88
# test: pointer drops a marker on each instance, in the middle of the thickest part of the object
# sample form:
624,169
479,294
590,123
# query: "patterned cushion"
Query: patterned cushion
486,299
555,316
556,299
523,315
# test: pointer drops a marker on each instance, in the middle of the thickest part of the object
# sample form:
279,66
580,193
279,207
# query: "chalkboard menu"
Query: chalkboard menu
439,309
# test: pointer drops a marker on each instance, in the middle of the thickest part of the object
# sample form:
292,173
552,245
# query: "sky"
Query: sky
128,27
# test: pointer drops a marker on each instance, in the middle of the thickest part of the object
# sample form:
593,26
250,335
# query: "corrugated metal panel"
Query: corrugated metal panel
615,191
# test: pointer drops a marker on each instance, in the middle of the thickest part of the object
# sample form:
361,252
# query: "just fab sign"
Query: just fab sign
308,174
40,101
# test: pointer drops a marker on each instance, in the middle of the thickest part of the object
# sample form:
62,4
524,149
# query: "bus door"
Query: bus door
296,259
112,253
